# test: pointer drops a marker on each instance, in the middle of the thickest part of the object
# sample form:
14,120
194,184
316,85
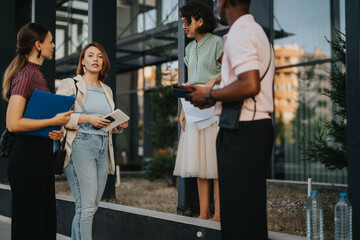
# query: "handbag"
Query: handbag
60,154
229,117
59,157
230,114
7,142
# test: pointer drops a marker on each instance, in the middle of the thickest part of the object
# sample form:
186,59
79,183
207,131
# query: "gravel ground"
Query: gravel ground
286,204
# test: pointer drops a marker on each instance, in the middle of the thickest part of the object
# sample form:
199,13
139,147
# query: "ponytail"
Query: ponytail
17,63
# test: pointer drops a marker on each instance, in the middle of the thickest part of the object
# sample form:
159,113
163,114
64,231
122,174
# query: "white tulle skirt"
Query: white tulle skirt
196,155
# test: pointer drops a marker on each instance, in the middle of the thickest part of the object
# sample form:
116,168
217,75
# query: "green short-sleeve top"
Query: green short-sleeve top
202,58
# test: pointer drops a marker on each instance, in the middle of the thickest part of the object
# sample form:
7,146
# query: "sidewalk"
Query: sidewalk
5,230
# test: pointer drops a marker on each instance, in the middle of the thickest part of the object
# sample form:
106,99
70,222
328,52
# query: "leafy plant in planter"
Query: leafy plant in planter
164,135
329,143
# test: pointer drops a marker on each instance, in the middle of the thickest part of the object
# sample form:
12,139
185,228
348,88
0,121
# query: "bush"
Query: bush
164,135
162,167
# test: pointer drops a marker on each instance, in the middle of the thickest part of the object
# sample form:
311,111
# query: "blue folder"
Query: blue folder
44,105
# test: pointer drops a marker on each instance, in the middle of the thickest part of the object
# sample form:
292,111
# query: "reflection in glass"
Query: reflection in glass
71,28
299,109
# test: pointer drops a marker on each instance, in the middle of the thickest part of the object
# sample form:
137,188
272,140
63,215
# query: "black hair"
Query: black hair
236,2
197,10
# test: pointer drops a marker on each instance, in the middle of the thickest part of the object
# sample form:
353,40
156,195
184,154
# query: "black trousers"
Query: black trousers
31,178
243,156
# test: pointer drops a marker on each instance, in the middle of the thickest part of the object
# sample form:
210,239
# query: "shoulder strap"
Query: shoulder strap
267,69
76,87
80,103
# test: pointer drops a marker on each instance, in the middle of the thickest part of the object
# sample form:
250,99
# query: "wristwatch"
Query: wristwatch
209,99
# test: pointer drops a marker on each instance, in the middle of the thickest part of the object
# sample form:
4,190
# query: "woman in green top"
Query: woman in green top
196,155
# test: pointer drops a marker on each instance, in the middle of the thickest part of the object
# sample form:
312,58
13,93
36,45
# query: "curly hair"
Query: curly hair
197,10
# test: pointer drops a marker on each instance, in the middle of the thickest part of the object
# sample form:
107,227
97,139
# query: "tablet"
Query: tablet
116,117
181,91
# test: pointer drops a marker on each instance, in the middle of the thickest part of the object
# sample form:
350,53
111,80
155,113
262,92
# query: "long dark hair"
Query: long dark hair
27,36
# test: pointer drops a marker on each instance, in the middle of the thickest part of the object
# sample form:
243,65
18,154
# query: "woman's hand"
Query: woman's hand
56,134
182,119
213,82
62,119
122,125
97,121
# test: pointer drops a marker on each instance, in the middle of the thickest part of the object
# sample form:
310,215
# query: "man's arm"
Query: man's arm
247,85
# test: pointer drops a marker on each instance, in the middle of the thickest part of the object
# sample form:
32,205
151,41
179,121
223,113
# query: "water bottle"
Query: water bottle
343,218
314,218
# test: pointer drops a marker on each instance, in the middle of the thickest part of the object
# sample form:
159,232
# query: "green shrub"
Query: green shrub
161,167
164,135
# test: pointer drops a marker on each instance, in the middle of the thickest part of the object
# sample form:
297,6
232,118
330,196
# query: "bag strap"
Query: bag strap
62,145
76,87
80,103
267,69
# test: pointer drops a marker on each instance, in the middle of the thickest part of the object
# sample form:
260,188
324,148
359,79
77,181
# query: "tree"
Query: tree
328,145
164,132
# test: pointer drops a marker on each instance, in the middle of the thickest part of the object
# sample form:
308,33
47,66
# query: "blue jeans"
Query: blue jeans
87,173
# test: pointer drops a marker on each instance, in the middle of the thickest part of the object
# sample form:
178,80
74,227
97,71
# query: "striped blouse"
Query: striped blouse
27,79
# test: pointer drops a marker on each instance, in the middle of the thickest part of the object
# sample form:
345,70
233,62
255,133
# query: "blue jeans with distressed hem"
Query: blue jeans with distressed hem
87,173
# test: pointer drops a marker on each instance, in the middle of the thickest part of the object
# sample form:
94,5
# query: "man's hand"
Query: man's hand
201,96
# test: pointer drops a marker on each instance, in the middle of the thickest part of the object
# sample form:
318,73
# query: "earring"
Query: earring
38,56
84,69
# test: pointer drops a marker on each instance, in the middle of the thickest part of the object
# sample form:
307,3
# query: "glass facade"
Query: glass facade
135,144
71,27
301,76
302,61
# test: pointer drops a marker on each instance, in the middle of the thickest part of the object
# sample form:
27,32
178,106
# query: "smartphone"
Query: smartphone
182,91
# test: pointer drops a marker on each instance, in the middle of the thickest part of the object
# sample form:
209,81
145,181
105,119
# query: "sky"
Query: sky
309,20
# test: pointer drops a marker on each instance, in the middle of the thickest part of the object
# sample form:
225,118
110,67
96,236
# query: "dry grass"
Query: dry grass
137,192
149,195
286,204
287,209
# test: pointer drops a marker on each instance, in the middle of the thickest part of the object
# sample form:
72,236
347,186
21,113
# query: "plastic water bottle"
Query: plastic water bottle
314,218
343,218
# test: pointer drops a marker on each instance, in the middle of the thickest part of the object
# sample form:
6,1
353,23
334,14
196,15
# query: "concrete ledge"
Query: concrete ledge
114,221
5,230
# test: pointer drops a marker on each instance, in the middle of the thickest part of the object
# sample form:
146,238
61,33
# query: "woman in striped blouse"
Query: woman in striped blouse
30,171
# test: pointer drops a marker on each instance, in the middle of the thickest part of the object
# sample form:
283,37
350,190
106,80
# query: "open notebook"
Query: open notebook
116,117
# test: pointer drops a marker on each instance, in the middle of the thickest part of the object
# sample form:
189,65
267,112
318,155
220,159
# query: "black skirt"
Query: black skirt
31,178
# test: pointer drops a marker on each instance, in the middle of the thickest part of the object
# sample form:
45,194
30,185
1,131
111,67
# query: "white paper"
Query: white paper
205,123
194,114
119,117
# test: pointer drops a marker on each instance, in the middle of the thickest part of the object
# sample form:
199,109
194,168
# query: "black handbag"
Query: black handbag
230,113
229,118
59,157
7,142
